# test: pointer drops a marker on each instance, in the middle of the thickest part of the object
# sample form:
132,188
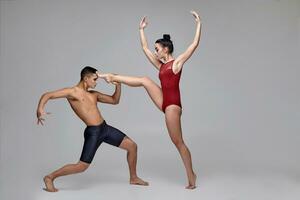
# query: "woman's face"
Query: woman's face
160,51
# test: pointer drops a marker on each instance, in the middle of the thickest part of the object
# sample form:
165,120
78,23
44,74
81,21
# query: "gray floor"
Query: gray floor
107,178
210,187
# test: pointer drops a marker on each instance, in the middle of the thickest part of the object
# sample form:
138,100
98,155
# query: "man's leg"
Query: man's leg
131,148
92,140
65,170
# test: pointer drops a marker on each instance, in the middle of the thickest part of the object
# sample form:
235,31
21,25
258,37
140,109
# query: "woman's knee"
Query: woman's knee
172,111
146,80
177,142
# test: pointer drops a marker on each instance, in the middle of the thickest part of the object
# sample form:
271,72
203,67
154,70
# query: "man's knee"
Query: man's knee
128,144
82,166
132,146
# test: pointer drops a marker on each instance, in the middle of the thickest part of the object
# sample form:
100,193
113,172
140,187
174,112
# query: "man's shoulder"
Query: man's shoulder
71,91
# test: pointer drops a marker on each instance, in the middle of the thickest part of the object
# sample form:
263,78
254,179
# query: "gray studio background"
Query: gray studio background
240,89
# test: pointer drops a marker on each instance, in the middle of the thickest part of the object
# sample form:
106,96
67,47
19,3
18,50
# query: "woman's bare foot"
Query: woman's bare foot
138,181
192,183
106,77
49,184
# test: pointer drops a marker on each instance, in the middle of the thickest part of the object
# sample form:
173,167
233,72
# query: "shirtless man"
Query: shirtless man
84,103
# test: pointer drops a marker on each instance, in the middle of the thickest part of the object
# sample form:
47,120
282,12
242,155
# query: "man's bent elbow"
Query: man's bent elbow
47,96
116,102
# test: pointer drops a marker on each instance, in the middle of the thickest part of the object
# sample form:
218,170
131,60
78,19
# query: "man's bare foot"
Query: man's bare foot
49,184
192,183
138,181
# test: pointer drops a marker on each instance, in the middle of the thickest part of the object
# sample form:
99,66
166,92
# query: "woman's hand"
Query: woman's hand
197,17
143,23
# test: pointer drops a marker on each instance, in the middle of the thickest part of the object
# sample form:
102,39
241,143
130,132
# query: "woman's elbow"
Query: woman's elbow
144,47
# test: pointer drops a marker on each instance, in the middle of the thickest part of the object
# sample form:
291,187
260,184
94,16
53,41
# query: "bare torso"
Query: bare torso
84,104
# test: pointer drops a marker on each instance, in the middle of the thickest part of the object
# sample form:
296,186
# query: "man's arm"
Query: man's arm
113,99
66,92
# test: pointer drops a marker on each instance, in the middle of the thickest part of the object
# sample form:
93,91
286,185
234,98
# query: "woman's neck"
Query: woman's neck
168,58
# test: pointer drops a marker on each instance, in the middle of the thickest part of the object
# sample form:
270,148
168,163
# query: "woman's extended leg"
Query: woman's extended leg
151,87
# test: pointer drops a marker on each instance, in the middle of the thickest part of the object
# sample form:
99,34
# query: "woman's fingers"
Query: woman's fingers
143,22
195,15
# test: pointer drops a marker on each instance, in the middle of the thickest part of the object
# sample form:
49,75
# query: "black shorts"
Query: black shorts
95,135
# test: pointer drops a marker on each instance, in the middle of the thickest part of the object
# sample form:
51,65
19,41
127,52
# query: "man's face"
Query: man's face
91,80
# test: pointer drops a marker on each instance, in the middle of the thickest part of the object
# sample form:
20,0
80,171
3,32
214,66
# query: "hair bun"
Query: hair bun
167,36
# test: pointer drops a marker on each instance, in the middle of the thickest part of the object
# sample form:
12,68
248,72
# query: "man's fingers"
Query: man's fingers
40,122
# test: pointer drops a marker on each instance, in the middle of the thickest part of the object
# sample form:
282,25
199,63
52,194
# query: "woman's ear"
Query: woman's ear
166,50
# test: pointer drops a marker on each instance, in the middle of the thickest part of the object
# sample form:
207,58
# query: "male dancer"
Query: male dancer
84,103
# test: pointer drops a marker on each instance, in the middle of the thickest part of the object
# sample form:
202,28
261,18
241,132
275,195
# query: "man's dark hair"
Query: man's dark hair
86,71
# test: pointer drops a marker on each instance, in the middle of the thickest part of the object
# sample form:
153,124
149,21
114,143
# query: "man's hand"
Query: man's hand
106,77
116,83
40,116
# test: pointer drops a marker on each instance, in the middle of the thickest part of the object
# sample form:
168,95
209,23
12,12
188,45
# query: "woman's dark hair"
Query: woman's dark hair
166,42
86,71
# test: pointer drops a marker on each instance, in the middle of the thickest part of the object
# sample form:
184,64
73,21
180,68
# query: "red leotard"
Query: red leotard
170,85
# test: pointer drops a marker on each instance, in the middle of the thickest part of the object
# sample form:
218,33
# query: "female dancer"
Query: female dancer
166,98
